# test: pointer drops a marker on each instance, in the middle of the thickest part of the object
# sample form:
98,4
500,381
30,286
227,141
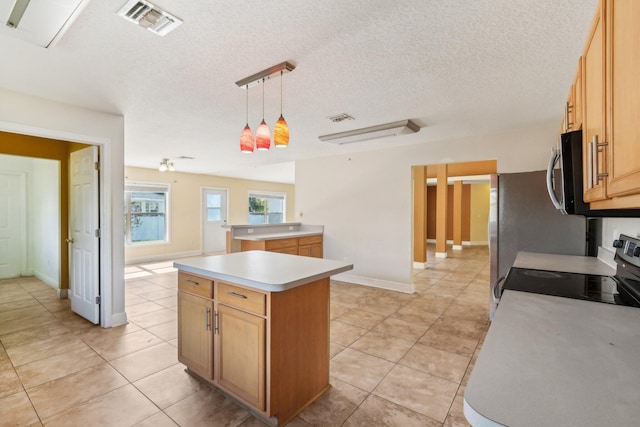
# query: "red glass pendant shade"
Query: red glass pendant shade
263,137
246,140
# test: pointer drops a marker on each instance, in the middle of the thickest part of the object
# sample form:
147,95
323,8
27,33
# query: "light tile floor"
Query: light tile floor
397,359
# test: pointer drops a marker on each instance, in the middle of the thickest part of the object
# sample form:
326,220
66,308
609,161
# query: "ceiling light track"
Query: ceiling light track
260,76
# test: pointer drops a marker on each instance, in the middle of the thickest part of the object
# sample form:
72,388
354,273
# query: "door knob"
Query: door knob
70,240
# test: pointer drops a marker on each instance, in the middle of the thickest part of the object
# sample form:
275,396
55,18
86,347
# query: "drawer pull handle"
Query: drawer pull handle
193,282
237,295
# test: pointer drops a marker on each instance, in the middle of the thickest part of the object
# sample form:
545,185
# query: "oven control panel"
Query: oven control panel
628,249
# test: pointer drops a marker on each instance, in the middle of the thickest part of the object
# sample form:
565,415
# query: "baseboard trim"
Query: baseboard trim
441,255
117,319
407,288
161,257
62,293
421,265
457,247
47,279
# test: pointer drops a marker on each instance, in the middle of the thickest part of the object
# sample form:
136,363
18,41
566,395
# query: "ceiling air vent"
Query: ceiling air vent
149,16
341,117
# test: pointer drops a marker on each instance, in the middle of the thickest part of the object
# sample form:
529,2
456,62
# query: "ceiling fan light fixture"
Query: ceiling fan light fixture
164,166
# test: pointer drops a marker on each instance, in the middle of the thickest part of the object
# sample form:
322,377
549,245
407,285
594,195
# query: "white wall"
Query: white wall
364,199
23,165
25,114
45,221
612,227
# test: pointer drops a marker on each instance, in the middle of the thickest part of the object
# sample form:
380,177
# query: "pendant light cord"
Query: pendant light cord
247,105
263,99
281,92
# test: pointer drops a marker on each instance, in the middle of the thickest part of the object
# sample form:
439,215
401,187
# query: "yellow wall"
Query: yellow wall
184,209
45,148
479,212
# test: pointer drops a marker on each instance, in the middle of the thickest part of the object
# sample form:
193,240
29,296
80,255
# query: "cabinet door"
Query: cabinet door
593,109
195,338
316,250
576,107
241,354
304,250
623,90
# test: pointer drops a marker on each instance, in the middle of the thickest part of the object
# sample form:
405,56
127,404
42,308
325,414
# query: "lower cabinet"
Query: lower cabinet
241,354
268,350
305,246
195,343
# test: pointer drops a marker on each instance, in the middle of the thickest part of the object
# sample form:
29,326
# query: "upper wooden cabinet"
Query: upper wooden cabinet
593,120
611,107
623,97
572,119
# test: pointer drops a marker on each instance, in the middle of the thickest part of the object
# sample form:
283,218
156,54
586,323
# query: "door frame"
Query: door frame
107,319
202,190
23,268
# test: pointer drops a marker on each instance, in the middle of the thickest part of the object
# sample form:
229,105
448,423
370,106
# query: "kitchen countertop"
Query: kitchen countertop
550,361
267,271
564,263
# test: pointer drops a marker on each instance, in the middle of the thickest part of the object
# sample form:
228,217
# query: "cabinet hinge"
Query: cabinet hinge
96,166
98,299
98,235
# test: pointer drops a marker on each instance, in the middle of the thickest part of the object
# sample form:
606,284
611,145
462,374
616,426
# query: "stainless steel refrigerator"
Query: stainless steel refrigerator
523,218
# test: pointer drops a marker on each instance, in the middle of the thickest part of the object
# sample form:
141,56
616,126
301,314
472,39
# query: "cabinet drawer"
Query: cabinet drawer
309,240
290,251
195,285
281,243
242,298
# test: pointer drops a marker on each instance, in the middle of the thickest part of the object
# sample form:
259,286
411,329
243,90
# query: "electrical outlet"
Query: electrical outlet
291,227
249,230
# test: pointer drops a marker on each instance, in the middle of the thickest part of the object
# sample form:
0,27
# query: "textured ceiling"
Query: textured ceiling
456,67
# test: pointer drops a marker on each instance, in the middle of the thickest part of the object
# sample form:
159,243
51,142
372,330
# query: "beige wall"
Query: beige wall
479,213
184,210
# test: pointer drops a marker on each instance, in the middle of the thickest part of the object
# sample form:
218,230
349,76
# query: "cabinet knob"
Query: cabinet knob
618,243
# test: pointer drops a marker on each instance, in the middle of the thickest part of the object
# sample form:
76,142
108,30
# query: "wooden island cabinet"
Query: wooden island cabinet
256,325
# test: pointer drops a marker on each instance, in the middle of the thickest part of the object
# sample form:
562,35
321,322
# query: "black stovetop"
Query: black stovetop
587,287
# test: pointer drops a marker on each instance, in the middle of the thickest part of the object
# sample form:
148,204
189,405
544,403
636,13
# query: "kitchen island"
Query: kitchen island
256,325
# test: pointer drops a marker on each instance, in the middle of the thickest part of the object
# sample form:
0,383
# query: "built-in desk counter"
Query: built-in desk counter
291,238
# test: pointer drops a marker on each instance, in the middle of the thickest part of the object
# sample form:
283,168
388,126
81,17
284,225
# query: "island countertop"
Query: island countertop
267,271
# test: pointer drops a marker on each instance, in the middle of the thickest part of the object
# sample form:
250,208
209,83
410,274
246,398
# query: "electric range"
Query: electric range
621,289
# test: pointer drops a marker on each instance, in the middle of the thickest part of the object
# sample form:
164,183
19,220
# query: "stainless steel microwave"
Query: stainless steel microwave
565,182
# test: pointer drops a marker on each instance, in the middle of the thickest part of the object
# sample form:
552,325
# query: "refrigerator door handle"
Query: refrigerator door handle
555,157
497,289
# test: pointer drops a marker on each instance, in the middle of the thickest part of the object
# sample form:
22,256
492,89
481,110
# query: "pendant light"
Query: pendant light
281,128
263,136
246,137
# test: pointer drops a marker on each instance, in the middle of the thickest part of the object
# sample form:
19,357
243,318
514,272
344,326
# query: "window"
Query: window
145,213
266,208
214,207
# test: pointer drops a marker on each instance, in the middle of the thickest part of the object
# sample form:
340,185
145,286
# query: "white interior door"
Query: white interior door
83,240
12,212
214,216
